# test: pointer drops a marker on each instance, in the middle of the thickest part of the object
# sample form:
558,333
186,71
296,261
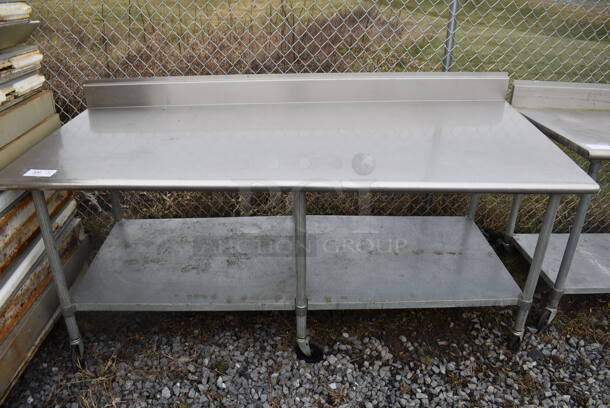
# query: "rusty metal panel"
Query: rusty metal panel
18,347
28,299
38,274
18,225
7,198
14,276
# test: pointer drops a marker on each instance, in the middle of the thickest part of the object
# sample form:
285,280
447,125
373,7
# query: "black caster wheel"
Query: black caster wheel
78,357
514,342
495,239
544,321
505,244
317,353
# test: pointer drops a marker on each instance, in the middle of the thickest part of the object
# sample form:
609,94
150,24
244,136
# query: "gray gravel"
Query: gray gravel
392,358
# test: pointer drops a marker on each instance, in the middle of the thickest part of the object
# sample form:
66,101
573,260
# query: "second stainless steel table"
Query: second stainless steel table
576,115
424,132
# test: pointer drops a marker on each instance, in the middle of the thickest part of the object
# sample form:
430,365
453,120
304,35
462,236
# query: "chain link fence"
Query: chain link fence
530,39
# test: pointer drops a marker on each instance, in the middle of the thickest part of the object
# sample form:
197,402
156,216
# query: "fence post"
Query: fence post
450,40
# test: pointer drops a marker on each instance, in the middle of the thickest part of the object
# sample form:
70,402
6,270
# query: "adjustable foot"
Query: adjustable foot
505,243
514,341
77,353
497,241
309,351
546,318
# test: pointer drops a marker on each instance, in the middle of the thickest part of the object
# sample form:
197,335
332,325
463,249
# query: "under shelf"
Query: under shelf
590,269
247,263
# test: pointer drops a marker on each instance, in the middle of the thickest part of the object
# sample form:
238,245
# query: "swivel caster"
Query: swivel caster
77,354
497,241
545,320
316,353
514,342
505,244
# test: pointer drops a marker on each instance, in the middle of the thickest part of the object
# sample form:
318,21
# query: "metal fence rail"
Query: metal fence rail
561,40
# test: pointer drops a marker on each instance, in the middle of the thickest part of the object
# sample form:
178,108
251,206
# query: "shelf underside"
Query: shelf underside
247,263
590,269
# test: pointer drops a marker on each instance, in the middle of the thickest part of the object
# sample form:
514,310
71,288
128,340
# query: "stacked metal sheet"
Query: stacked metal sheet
19,63
28,302
15,23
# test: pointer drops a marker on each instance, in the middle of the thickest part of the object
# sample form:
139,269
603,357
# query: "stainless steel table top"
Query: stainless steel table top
584,131
349,143
575,114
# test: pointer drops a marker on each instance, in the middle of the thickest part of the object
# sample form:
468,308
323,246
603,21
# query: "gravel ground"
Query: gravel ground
373,358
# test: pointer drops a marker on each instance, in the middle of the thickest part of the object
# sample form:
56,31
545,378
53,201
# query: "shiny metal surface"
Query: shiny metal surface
299,215
467,146
584,131
590,269
561,95
578,223
542,243
54,257
576,115
247,263
296,88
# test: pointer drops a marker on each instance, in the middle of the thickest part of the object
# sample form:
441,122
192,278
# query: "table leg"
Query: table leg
306,350
512,221
364,203
525,303
566,261
115,199
245,202
514,213
428,202
67,308
472,205
300,238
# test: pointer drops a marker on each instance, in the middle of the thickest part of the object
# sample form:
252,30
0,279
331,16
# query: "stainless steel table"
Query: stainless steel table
577,116
422,132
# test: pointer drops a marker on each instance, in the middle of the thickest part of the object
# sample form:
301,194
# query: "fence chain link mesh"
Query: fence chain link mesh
563,40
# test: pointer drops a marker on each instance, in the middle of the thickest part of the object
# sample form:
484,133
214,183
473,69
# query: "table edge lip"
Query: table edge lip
288,186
